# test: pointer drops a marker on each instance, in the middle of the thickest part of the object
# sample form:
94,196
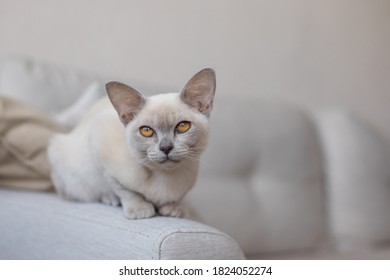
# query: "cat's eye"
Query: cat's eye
146,131
183,126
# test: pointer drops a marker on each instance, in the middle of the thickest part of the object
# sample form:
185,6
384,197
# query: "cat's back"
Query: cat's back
103,106
99,122
75,154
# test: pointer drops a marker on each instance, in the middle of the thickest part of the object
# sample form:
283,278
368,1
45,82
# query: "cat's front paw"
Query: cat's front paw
171,210
139,210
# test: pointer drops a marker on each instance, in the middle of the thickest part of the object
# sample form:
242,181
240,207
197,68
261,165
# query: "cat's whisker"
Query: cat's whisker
197,149
196,159
202,162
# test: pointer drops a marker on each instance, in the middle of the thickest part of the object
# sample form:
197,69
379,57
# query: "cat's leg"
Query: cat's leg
171,210
134,205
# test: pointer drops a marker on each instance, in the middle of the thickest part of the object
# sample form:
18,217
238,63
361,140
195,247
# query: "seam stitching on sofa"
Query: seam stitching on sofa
190,230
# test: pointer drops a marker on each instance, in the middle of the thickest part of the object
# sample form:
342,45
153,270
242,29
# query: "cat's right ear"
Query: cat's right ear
126,100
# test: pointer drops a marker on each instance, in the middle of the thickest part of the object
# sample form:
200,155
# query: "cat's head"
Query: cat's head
167,130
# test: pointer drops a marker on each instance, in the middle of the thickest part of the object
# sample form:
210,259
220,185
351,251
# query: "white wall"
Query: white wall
320,54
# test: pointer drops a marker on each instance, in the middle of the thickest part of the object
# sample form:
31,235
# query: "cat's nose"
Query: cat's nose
166,146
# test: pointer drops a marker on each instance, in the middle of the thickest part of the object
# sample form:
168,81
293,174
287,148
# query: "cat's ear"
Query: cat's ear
199,92
126,100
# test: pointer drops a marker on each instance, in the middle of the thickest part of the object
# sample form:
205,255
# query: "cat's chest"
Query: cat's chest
165,188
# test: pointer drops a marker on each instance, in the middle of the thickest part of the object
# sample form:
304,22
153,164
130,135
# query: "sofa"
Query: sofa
276,182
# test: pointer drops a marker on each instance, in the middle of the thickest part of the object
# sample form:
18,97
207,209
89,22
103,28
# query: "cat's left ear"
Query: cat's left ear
199,92
126,100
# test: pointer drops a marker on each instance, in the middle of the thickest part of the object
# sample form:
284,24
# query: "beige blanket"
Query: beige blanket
24,136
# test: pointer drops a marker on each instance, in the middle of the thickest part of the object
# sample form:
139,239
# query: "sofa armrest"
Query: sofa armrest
43,226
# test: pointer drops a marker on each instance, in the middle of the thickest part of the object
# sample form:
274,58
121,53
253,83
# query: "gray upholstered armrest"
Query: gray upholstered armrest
43,226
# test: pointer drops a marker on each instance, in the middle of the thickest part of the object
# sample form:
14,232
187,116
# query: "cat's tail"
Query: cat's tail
72,115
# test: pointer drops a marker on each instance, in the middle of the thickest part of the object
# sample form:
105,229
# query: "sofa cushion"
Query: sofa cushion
50,88
43,226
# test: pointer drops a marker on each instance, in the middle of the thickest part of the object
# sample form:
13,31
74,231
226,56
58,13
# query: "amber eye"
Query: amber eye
183,127
146,131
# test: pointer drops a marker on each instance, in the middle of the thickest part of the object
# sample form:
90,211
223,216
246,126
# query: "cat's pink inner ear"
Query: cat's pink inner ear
199,92
126,100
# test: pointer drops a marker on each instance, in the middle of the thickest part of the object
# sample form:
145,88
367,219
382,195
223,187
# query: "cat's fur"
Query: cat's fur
105,158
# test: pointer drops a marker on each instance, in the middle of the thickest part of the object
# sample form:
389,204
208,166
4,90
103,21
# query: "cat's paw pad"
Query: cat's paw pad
171,210
139,210
110,199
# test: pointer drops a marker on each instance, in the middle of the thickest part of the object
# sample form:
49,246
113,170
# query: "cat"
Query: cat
138,152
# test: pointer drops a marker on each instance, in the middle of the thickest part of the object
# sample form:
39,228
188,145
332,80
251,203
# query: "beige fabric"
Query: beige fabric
24,136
